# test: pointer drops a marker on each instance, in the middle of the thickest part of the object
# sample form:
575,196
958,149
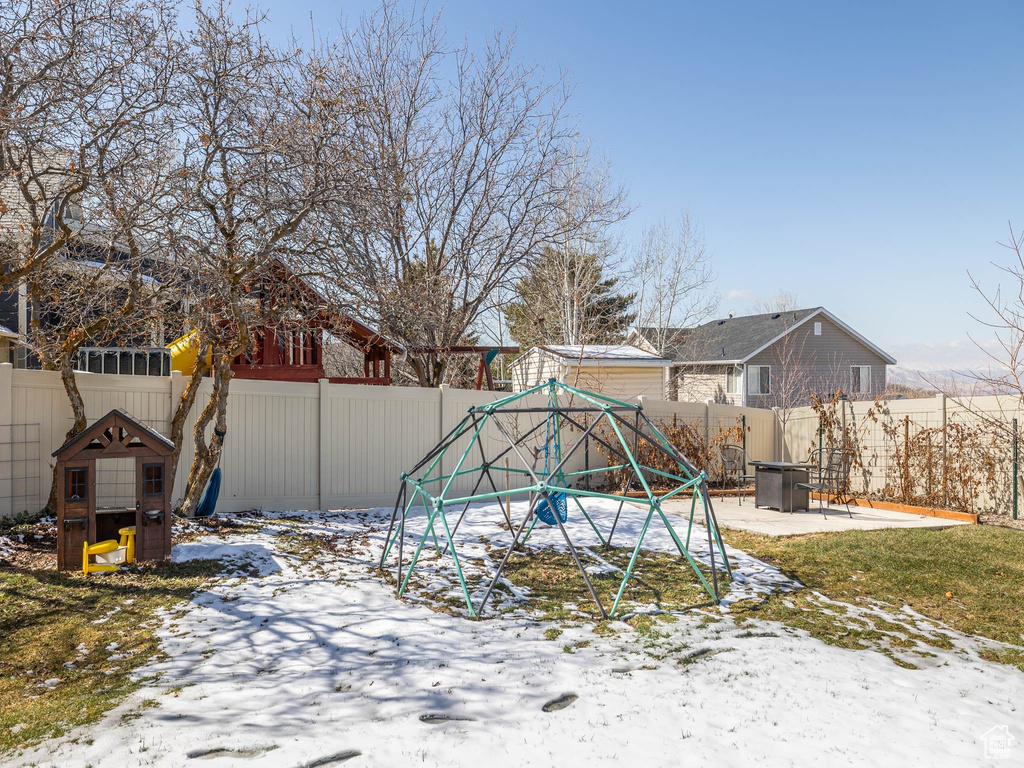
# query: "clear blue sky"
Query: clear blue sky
861,155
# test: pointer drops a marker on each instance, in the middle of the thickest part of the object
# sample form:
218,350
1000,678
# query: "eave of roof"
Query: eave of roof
644,360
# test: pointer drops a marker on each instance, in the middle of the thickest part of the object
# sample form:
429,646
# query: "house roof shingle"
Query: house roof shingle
736,339
728,339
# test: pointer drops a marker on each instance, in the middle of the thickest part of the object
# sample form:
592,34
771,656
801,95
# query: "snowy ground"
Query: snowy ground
318,665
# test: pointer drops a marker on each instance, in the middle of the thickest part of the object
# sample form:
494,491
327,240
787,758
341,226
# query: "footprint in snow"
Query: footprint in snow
212,752
563,701
336,759
439,719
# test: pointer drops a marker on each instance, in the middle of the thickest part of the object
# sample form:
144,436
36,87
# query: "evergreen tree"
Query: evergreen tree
567,299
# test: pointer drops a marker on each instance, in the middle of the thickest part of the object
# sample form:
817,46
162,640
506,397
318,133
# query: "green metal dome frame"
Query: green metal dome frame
426,484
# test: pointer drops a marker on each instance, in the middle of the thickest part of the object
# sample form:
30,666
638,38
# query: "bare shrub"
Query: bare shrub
956,467
687,437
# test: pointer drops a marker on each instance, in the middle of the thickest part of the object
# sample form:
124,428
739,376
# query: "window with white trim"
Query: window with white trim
759,379
732,381
817,329
860,379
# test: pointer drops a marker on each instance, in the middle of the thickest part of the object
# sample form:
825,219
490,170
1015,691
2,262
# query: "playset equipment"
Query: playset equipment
564,409
83,527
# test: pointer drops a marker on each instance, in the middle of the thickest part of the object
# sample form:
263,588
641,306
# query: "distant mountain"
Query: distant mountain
941,380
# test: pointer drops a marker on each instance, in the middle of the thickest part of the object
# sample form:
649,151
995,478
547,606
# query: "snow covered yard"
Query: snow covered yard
314,662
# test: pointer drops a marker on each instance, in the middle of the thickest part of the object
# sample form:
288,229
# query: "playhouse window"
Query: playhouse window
153,480
77,484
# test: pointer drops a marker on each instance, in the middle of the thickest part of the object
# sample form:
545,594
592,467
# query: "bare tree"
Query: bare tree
782,301
673,279
472,165
792,372
1006,322
84,92
77,79
575,268
674,283
266,139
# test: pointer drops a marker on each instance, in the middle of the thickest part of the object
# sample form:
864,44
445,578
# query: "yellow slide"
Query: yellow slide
184,351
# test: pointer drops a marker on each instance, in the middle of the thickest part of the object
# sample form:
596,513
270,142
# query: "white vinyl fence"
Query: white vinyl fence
947,443
289,445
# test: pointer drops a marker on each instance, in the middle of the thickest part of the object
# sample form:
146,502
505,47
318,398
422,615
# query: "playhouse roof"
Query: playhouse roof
128,423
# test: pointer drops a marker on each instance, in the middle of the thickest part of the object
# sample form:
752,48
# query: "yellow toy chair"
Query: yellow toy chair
128,542
108,554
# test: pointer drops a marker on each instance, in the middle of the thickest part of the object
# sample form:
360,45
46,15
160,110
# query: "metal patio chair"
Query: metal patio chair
734,465
833,478
816,458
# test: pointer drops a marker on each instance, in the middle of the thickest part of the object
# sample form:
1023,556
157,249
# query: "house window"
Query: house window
153,480
732,381
860,379
76,484
817,329
759,380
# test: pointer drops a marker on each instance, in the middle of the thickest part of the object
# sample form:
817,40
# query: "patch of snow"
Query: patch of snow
236,550
752,579
316,662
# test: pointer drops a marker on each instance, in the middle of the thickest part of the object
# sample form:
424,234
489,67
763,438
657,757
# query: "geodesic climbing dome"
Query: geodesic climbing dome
553,490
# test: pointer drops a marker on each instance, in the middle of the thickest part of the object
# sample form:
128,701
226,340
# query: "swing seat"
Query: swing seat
209,501
544,512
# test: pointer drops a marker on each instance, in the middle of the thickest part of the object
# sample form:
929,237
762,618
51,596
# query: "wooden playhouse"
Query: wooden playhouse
115,436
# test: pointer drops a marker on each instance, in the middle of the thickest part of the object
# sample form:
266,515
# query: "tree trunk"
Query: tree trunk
67,377
184,408
429,370
207,454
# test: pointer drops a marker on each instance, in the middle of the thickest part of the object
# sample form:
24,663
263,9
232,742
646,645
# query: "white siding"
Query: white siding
534,368
623,382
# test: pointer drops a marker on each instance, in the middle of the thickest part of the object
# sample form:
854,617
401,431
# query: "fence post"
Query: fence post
7,418
707,423
440,424
778,436
1015,468
324,452
907,495
942,410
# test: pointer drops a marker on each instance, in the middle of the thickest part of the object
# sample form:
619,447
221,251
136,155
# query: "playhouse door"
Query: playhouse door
153,523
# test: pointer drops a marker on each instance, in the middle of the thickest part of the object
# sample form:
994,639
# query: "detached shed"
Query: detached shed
616,370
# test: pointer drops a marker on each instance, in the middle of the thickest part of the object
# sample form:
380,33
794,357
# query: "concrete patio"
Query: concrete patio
731,514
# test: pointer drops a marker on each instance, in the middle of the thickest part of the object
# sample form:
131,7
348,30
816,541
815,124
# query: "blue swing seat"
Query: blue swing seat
544,509
209,501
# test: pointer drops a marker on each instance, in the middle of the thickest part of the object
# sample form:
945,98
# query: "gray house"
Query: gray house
777,359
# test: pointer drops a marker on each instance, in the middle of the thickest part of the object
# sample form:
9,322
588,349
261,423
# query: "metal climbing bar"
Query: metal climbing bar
582,412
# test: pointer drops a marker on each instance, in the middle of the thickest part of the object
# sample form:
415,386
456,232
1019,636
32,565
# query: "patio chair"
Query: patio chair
816,458
833,478
734,465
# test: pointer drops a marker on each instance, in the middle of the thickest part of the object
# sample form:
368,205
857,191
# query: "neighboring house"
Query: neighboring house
776,359
615,370
290,351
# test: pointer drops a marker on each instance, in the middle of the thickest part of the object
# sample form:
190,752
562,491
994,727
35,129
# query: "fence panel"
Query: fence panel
298,445
935,451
